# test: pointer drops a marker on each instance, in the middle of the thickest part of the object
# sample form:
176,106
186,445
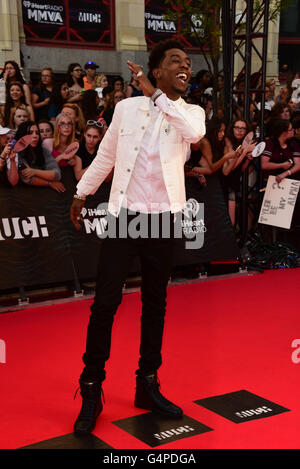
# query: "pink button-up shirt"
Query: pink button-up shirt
127,149
146,191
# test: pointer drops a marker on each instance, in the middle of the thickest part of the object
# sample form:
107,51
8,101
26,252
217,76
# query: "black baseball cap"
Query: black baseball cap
91,64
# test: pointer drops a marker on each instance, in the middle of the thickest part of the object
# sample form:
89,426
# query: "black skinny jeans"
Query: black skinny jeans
116,255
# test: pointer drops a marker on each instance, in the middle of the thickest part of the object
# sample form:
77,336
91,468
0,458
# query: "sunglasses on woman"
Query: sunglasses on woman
98,124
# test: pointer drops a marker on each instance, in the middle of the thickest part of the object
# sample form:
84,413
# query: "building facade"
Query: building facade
38,33
54,34
289,37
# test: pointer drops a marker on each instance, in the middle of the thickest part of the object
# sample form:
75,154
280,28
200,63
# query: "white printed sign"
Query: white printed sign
279,202
2,92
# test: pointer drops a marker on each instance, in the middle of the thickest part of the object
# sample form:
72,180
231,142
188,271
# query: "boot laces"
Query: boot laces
101,394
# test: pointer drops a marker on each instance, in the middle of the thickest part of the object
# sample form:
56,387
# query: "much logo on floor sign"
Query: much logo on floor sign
173,431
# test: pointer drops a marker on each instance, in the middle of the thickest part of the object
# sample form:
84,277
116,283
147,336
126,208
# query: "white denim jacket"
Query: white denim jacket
182,124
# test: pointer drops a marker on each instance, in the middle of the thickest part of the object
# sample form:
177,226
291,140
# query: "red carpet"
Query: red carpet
221,336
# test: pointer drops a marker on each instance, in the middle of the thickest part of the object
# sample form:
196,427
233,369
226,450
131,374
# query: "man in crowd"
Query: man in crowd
146,144
90,71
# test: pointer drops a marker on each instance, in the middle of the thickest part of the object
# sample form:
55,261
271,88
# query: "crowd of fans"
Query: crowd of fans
220,150
81,106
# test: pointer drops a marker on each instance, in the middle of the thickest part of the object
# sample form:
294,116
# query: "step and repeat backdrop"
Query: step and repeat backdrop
39,245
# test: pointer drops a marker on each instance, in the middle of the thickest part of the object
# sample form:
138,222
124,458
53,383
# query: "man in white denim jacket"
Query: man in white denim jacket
146,144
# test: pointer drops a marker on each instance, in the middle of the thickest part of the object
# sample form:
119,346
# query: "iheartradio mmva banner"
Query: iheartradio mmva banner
67,22
157,27
39,245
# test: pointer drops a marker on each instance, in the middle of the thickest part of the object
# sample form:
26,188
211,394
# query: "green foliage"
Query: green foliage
204,19
276,7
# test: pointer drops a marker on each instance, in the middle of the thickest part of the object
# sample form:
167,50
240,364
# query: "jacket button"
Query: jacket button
136,149
121,192
128,169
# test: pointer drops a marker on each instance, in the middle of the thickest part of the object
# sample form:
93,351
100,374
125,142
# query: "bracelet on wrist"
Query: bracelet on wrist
79,197
156,94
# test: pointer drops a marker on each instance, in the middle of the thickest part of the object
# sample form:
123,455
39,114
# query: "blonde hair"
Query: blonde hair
80,124
98,80
56,135
13,110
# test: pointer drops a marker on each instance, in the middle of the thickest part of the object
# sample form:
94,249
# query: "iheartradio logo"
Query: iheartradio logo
191,208
83,212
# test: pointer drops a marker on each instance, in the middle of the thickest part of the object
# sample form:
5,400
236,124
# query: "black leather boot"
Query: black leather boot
149,397
91,393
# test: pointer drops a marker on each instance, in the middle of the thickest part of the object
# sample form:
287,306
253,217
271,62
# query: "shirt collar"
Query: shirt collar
146,103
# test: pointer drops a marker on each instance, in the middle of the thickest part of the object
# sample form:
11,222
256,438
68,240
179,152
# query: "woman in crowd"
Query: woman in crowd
11,72
3,137
41,94
281,157
18,115
201,82
269,102
8,163
64,135
60,96
271,83
294,108
90,105
234,167
75,113
282,110
92,136
117,96
207,156
101,82
118,83
46,129
8,166
212,146
283,95
106,110
36,165
15,97
133,89
75,82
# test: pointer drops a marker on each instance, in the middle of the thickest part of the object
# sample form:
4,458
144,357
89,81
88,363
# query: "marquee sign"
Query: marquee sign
158,27
86,23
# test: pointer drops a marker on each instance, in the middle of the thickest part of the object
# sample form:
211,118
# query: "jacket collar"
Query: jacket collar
145,102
